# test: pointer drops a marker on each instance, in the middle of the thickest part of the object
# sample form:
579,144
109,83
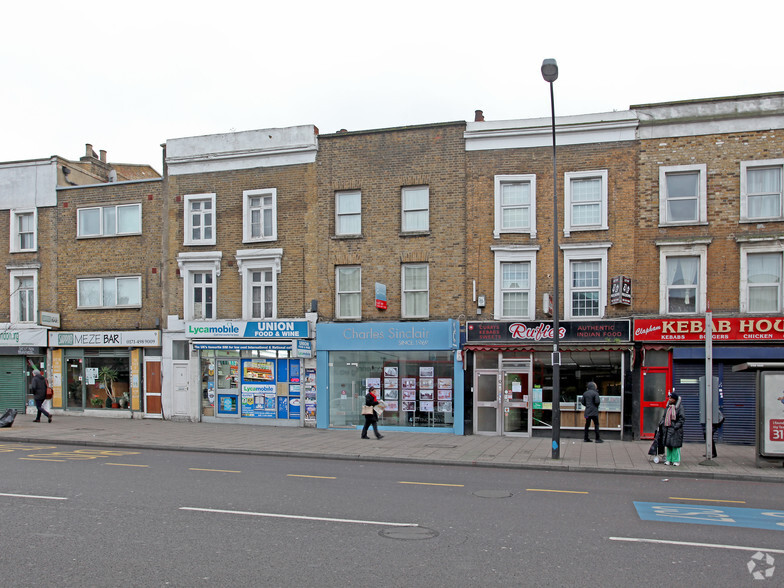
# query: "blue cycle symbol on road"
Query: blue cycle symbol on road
752,518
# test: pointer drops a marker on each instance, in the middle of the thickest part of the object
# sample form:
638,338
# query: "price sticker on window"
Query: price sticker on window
776,429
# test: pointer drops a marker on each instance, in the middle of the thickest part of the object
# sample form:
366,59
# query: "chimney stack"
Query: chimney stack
479,116
103,155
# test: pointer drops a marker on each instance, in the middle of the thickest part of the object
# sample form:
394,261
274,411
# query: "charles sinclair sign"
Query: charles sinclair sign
769,328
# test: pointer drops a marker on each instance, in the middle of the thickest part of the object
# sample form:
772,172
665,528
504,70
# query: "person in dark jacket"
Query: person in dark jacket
371,400
674,417
591,402
38,388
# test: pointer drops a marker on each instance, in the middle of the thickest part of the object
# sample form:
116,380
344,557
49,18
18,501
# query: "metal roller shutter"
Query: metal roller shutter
13,382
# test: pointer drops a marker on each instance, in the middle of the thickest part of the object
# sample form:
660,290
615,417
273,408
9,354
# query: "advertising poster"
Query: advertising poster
258,401
294,371
259,370
294,389
227,404
294,410
772,434
426,406
283,407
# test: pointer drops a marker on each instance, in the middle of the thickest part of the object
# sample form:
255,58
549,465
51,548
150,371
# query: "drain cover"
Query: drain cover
408,533
492,494
436,446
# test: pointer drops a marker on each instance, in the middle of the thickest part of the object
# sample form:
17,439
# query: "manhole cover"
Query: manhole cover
408,533
492,494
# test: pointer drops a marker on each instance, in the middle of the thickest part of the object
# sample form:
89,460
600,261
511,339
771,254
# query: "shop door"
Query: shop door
514,403
487,398
656,381
180,395
152,388
501,403
75,383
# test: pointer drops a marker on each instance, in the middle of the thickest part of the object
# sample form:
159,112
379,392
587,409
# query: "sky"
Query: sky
127,76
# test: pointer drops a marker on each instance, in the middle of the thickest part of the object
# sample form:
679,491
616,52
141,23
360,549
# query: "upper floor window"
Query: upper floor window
683,195
761,269
416,290
109,221
348,213
200,219
259,269
416,209
515,204
760,190
515,282
683,279
111,292
200,272
260,215
585,287
24,295
23,230
348,289
586,201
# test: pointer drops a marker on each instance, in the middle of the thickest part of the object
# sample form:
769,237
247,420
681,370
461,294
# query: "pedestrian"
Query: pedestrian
38,388
674,417
591,403
371,418
715,428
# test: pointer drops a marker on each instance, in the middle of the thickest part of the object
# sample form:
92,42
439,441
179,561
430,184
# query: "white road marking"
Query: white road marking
34,496
297,517
693,544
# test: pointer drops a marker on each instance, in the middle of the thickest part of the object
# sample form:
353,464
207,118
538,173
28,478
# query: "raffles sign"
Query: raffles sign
542,332
724,329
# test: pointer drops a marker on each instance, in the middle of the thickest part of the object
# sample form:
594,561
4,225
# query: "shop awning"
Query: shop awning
546,347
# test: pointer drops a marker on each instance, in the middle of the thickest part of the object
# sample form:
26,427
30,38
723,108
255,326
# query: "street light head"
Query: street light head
549,70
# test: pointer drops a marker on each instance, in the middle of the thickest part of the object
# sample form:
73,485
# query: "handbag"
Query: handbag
367,409
49,391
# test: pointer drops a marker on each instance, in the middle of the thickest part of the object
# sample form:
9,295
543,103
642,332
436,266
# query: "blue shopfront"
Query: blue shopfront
416,366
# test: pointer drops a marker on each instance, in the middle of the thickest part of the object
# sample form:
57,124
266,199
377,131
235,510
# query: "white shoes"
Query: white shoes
677,463
667,463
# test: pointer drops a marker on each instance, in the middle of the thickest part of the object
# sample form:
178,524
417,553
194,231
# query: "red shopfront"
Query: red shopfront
673,358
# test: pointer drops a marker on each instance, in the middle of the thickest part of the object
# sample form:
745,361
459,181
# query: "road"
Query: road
76,516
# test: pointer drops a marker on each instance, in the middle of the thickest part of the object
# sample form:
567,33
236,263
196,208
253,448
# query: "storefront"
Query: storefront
21,351
510,370
673,358
253,372
100,370
415,366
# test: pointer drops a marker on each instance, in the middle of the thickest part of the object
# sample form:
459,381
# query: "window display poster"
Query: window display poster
227,404
409,394
408,383
409,405
390,371
445,407
259,370
426,406
391,406
294,372
426,383
444,383
283,407
426,372
376,382
294,408
772,435
390,394
426,395
390,382
294,389
444,394
310,394
283,370
258,401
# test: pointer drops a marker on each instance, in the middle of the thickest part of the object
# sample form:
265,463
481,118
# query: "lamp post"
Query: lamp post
550,74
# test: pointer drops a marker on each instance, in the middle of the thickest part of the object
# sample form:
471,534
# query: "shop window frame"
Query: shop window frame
254,260
188,219
745,167
247,214
15,245
746,249
570,205
514,255
504,180
673,250
579,253
15,276
190,264
702,194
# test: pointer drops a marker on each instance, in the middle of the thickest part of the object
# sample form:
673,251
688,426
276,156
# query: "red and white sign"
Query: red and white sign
768,328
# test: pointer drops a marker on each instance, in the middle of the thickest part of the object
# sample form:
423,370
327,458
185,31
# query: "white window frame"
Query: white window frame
339,215
771,246
569,177
15,276
404,211
247,229
338,292
15,245
191,263
702,196
514,255
404,312
585,252
499,181
684,250
102,230
744,193
254,260
103,304
188,220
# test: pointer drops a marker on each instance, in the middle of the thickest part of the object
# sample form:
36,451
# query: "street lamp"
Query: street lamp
550,74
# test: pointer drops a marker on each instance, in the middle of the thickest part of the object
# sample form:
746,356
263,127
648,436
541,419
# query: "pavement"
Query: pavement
735,462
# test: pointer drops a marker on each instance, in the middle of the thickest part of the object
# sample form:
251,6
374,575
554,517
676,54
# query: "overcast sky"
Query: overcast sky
127,76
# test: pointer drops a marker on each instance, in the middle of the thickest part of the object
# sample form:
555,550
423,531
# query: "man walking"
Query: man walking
38,388
591,403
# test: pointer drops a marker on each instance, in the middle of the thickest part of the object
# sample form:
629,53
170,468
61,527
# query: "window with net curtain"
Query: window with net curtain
682,284
415,290
763,186
764,281
349,294
515,286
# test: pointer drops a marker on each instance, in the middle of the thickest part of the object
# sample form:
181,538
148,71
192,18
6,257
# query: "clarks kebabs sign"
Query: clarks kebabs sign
770,328
542,332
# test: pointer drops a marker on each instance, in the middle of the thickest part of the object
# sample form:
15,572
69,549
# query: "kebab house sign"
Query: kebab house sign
724,329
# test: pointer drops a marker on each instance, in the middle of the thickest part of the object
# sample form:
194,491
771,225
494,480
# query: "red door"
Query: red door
655,384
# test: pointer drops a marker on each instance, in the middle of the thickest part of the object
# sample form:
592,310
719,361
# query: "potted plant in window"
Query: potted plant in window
96,401
108,375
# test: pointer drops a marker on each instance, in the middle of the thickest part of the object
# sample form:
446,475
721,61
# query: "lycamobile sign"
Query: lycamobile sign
283,329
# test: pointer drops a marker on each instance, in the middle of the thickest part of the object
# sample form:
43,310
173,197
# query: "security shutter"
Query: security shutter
13,383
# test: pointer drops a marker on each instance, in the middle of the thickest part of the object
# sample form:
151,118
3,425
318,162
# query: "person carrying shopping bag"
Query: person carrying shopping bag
371,418
674,417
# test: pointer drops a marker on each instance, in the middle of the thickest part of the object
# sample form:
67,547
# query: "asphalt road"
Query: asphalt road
91,517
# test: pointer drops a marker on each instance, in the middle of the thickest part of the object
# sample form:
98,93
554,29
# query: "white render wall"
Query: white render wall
28,184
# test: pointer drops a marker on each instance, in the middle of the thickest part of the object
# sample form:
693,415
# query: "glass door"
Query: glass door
487,399
656,381
515,399
75,383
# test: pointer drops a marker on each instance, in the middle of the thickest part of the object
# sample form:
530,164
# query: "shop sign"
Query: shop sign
724,329
272,329
381,296
542,332
621,290
49,319
387,336
32,337
105,339
303,349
